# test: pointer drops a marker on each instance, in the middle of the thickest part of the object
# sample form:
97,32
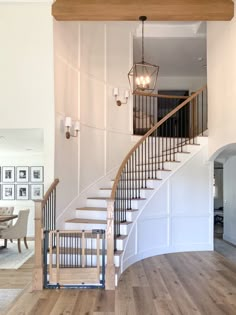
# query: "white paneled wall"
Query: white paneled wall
105,54
67,74
179,215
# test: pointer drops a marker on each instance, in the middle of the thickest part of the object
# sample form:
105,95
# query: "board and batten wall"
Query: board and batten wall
67,74
178,217
106,56
26,73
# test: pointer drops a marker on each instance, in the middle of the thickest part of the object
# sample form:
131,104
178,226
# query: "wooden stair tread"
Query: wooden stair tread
132,188
160,162
89,221
106,198
92,209
159,156
135,179
121,237
144,171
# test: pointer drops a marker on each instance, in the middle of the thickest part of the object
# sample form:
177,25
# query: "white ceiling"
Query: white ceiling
21,141
179,48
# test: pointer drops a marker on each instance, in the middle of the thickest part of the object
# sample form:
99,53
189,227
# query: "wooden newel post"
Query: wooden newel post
38,265
110,267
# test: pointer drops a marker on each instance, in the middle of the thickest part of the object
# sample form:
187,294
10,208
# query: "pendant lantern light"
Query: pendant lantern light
143,75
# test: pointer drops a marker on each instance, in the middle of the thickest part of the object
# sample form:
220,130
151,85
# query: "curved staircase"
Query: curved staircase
148,165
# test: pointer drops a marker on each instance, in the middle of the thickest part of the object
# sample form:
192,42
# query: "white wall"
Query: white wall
221,71
181,83
179,215
106,56
22,159
67,73
229,184
26,73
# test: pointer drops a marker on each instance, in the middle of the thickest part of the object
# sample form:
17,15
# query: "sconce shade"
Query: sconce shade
68,122
143,77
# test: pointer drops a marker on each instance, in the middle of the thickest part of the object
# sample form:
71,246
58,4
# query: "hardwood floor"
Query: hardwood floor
183,283
13,283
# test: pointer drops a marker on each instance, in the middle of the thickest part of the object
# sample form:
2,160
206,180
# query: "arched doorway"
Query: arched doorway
224,192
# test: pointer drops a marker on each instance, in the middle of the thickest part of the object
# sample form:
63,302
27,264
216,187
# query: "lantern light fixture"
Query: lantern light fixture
143,76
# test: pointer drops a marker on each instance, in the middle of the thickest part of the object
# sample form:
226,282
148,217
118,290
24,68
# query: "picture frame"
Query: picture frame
36,192
8,192
22,192
22,174
36,174
8,174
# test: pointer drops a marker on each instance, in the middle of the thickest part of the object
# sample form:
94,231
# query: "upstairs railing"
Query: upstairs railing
149,109
45,219
145,161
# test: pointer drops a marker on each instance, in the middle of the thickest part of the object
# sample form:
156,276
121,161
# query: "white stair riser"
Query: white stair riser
104,193
90,259
158,174
149,182
83,226
101,215
95,215
130,192
135,203
93,245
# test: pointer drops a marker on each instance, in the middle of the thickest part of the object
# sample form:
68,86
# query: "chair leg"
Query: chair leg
19,249
5,243
26,245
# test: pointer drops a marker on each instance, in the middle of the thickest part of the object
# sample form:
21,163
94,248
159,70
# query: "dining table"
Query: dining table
4,218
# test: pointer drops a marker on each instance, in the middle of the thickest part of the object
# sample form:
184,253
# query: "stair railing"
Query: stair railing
45,220
145,161
149,109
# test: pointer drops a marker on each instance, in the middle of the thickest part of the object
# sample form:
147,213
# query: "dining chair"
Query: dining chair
6,211
18,230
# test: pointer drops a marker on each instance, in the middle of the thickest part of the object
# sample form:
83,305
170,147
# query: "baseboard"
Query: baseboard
229,239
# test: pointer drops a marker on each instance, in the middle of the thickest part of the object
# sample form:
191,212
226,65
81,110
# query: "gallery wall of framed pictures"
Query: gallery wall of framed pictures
21,182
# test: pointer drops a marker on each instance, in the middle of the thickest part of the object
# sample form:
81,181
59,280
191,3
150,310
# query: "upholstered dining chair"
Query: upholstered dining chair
6,211
18,230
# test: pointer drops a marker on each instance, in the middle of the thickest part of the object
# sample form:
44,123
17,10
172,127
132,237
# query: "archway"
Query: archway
224,191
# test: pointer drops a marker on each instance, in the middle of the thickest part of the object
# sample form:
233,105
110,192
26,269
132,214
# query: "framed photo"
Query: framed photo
22,192
8,192
22,174
36,192
36,174
8,174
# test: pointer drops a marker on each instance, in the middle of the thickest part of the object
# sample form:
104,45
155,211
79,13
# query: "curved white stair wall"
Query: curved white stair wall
178,216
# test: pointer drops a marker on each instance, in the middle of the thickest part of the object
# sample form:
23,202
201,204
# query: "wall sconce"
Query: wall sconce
116,93
68,125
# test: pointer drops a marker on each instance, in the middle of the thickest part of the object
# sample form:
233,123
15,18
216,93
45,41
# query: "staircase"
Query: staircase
116,206
94,214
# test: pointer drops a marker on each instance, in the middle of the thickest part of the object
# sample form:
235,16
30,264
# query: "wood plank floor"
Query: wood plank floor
178,284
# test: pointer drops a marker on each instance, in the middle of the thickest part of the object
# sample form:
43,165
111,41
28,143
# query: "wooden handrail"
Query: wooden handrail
161,95
157,125
49,191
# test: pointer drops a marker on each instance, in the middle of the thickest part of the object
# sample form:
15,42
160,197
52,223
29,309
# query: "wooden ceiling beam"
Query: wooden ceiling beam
155,10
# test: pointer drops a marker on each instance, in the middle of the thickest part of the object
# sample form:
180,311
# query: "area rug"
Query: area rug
10,258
